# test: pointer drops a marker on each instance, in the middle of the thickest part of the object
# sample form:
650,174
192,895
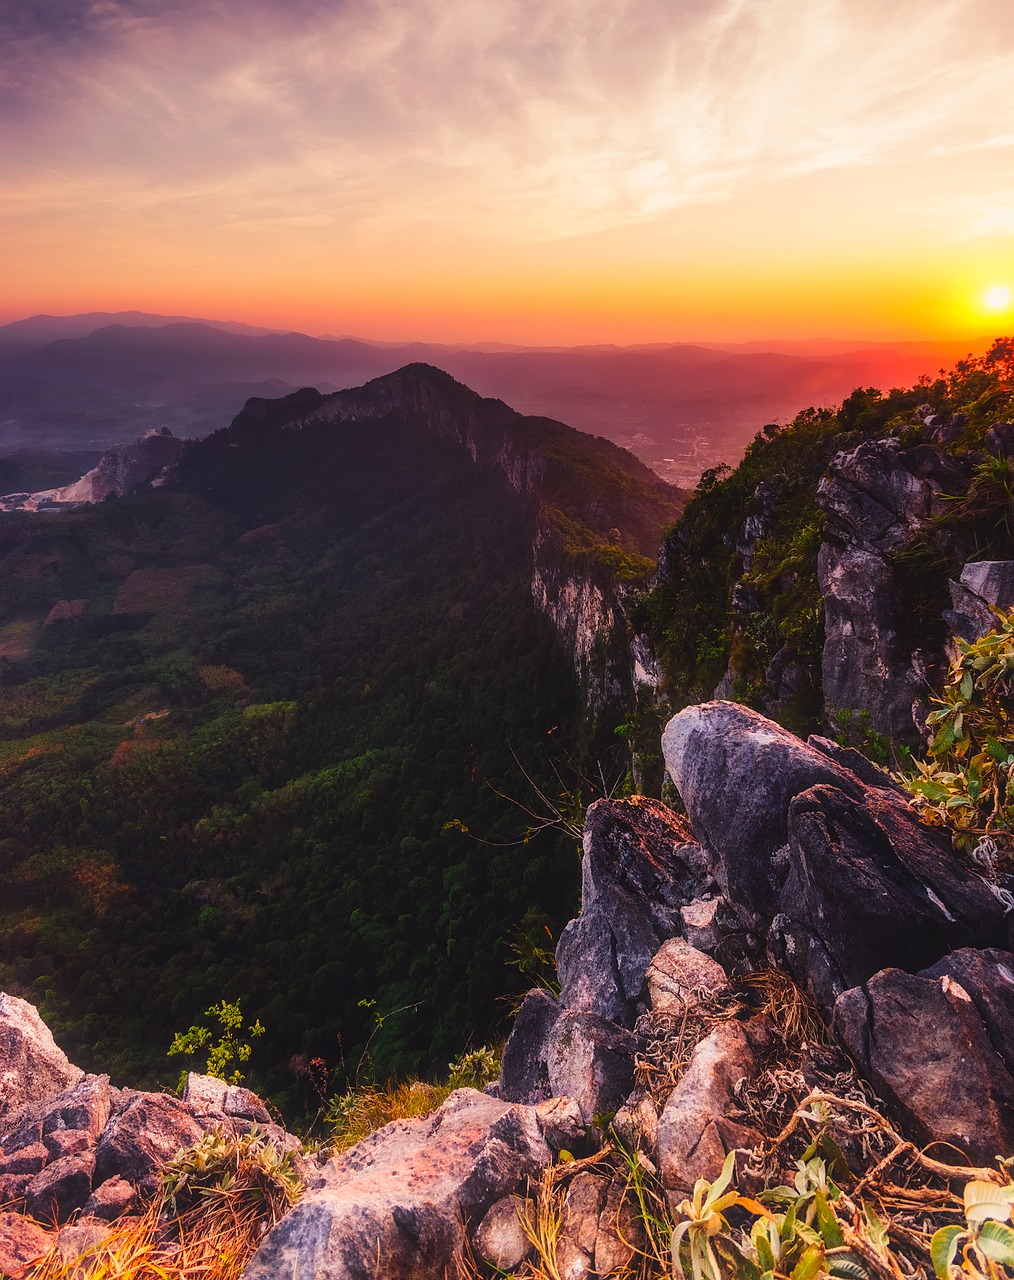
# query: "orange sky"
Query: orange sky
542,172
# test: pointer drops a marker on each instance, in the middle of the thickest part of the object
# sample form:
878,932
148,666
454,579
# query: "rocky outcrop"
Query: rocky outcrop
32,1067
120,472
397,1203
984,585
877,498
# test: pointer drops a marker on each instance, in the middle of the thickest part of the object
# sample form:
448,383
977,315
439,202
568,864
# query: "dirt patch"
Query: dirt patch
161,590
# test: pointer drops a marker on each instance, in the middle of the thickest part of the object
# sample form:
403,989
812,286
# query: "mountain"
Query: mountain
682,408
308,718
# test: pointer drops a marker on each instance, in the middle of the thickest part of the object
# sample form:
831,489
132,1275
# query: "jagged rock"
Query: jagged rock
123,470
561,1122
620,1234
499,1239
212,1099
712,926
524,1070
22,1242
636,1122
151,1129
877,498
868,773
679,975
695,1132
32,1068
983,585
921,1043
13,1187
84,1108
1000,439
737,773
585,1200
592,1061
81,1237
29,1159
114,1198
988,978
67,1142
394,1205
639,868
61,1188
867,889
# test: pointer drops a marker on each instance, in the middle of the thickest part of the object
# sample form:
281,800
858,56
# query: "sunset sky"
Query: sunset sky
538,171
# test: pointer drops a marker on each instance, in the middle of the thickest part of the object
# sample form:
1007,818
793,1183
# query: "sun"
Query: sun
997,298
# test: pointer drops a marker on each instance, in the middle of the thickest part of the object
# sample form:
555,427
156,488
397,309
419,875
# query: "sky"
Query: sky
530,171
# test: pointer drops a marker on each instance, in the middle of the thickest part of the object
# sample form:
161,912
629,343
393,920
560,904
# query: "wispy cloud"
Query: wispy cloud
534,119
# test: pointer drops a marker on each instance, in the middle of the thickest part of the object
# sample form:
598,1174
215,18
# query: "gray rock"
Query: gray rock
878,498
695,1130
737,773
22,1242
524,1070
61,1188
151,1129
679,975
638,869
84,1108
921,1043
81,1237
394,1205
984,584
988,978
869,888
211,1099
592,1061
114,1198
636,1122
29,1159
561,1123
620,1234
67,1142
499,1239
32,1067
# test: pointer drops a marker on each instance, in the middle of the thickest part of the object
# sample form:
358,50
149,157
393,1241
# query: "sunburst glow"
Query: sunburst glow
997,298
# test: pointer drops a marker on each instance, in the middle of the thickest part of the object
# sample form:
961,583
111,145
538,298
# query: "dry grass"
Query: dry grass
214,1206
355,1115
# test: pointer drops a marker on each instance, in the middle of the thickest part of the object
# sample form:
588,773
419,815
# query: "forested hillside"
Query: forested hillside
255,725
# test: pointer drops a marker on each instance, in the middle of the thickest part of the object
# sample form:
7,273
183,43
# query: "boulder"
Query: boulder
620,1234
869,888
592,1061
82,1237
151,1129
988,978
30,1159
524,1070
695,1129
32,1067
211,1099
83,1108
636,1123
12,1189
639,868
22,1242
679,975
67,1142
713,926
499,1239
113,1198
61,1188
984,584
561,1122
395,1204
921,1043
737,773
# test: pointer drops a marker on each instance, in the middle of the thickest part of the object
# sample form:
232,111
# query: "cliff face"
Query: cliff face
596,514
119,473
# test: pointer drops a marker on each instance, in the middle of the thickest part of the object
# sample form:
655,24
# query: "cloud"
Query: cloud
534,119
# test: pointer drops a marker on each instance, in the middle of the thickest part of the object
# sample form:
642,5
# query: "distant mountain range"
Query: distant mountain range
95,380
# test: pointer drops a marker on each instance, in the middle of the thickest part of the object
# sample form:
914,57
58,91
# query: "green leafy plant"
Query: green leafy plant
986,1242
964,785
228,1051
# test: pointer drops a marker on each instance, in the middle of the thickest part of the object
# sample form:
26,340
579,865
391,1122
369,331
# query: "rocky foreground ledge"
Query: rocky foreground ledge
797,935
